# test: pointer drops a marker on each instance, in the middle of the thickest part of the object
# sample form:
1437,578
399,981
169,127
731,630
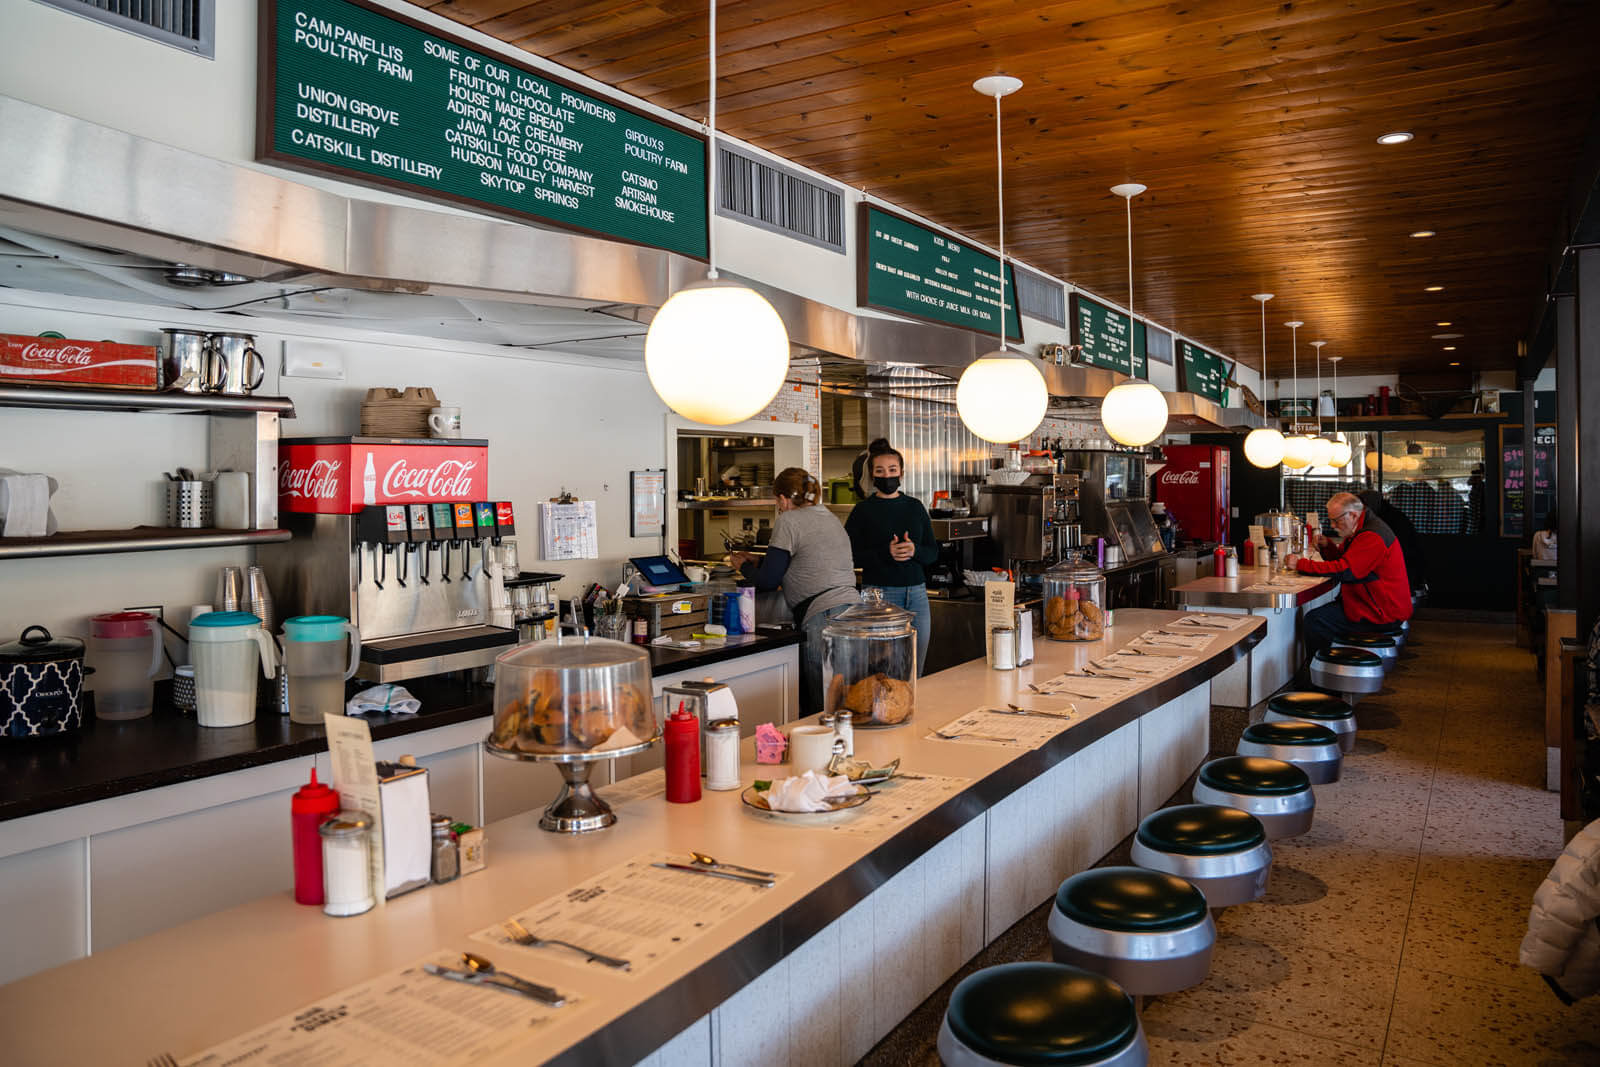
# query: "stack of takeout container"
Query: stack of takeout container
397,412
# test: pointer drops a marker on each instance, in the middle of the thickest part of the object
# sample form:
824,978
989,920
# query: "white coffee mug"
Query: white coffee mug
810,748
445,422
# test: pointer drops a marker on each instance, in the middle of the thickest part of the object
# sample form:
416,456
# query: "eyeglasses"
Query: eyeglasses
1336,519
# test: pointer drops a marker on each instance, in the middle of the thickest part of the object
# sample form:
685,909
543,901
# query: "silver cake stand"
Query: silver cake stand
576,809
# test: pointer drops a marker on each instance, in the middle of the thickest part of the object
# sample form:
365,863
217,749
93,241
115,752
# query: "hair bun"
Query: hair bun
879,446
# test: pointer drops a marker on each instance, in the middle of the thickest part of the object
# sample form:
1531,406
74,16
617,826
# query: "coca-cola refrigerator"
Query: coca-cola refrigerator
1194,487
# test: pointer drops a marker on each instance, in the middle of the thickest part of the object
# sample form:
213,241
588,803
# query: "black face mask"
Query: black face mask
886,486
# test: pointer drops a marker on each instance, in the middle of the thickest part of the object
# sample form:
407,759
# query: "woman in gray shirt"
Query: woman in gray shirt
809,558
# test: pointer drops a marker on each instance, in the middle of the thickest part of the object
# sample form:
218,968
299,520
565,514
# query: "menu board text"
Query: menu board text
910,269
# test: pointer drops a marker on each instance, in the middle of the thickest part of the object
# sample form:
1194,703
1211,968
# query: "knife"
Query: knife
764,883
504,982
1014,710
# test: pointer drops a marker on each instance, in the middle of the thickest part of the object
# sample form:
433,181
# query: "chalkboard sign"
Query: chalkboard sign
359,92
1103,335
1512,488
1201,372
914,271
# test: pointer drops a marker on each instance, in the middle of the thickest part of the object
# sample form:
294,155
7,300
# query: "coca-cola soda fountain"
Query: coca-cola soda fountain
395,535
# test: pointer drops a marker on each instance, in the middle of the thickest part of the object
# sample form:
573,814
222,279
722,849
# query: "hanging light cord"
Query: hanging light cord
1294,335
1129,202
711,155
1335,398
1319,390
1000,204
1264,363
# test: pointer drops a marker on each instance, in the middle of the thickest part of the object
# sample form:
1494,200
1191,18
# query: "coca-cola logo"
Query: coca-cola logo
1180,478
320,481
451,478
63,355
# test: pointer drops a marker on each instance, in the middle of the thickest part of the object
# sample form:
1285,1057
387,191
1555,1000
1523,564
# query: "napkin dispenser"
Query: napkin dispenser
706,700
407,829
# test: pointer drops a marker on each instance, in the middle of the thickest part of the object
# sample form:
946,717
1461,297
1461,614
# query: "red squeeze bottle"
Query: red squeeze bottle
1248,555
311,805
1219,562
682,738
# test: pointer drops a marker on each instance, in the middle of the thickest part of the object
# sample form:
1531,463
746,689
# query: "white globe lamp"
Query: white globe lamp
1341,454
1264,447
716,352
1134,413
1321,451
1001,398
1297,451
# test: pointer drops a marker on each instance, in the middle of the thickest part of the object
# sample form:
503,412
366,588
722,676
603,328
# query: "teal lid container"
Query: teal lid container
315,628
224,618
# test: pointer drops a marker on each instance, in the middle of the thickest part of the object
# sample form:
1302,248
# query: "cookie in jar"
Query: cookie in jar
1074,601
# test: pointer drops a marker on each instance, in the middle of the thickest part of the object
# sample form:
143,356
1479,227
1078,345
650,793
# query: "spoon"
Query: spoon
700,859
480,965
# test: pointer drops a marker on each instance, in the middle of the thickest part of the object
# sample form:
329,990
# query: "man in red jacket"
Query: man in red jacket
1375,592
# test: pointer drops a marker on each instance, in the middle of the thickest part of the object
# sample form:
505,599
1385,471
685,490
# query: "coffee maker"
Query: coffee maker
405,549
1034,521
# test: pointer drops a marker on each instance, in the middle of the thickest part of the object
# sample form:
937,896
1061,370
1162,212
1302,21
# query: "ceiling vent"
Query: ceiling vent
779,199
1039,297
187,24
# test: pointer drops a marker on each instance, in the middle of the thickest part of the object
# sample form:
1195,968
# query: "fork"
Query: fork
522,936
974,737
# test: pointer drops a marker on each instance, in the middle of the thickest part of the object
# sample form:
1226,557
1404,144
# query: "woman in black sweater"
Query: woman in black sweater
892,540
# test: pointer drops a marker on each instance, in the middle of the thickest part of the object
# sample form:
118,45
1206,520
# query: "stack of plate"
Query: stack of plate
748,472
765,473
397,412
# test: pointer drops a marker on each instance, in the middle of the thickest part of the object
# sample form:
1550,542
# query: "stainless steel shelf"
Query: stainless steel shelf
39,396
138,539
744,503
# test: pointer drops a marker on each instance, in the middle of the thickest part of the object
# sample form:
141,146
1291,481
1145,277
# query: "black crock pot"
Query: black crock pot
41,685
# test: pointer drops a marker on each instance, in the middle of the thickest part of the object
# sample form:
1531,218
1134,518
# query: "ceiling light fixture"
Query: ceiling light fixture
1422,233
1444,324
1433,288
1341,447
1296,446
1134,413
1449,348
1397,137
716,352
1263,446
1001,397
1455,363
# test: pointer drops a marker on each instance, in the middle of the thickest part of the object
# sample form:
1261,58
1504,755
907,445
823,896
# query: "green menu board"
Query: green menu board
1202,372
914,271
1104,337
1141,349
365,93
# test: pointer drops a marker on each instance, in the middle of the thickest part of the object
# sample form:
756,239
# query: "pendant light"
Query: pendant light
1001,397
1296,446
1321,447
1341,447
716,352
1263,446
1134,412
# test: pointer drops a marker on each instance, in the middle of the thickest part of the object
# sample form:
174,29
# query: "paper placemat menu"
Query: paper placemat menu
637,787
1148,665
1085,687
1200,620
984,727
1166,640
401,1017
633,911
896,803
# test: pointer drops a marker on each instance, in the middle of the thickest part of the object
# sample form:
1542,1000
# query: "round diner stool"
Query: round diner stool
1313,705
1147,931
1223,851
1351,671
1310,746
1384,646
1043,1014
1277,793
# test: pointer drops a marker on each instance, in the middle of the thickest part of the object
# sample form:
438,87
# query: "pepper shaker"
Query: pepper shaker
844,725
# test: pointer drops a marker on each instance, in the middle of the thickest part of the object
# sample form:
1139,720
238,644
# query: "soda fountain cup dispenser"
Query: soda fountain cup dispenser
376,522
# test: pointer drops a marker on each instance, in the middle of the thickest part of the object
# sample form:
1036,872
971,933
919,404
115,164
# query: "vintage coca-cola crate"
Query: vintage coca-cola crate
62,361
342,475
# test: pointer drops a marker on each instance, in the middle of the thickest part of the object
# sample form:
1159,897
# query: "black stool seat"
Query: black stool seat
1289,733
1349,657
1201,830
1310,705
1254,776
1374,640
1131,899
1041,1015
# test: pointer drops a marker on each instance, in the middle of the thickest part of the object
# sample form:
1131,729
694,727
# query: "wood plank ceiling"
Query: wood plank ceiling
1254,124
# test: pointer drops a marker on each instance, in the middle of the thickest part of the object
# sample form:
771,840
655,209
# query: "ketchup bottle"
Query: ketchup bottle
311,805
682,738
1247,554
1219,562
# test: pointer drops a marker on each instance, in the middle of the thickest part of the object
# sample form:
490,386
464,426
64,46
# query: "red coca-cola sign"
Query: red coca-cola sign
1175,477
60,361
335,477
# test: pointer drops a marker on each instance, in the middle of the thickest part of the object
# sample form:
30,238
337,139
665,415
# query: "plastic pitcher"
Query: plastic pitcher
227,648
320,652
125,652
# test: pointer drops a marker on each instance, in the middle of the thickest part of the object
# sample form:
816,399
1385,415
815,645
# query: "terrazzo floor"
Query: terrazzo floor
1389,933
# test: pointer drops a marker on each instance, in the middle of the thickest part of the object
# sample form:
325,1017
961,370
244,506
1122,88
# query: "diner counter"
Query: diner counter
857,931
110,758
1255,587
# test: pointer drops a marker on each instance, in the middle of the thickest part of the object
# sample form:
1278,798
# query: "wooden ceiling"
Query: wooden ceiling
1254,125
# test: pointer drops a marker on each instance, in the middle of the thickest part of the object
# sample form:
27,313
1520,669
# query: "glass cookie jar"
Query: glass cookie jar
1074,601
869,662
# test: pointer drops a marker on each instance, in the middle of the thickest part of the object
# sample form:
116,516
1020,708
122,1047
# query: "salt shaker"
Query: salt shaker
346,856
445,865
844,725
722,754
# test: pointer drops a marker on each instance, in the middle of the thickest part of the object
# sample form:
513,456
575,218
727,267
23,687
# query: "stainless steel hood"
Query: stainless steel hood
98,190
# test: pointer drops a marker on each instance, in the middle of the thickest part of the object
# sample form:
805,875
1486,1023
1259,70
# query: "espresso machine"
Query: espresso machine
1032,523
396,536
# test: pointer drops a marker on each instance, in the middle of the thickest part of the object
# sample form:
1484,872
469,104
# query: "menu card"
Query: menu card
998,730
1086,687
1200,620
1168,640
634,911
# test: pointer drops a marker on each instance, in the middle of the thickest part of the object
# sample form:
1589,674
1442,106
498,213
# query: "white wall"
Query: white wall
552,421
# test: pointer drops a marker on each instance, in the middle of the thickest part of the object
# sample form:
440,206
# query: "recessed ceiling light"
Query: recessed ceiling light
1449,348
1444,324
1397,137
1455,363
1422,233
1445,336
1433,288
